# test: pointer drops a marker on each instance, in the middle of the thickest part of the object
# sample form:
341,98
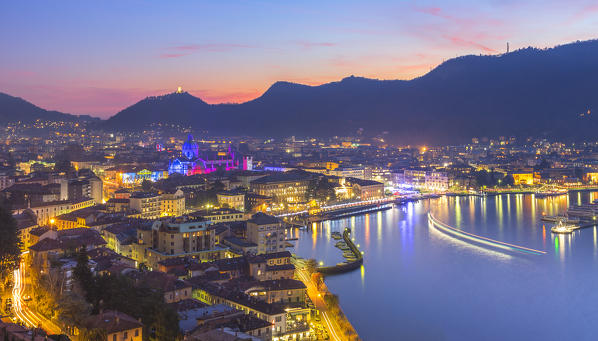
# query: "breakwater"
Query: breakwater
347,266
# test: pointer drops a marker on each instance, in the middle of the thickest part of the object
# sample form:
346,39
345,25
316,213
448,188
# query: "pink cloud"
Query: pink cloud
173,55
467,43
212,47
216,97
311,44
583,13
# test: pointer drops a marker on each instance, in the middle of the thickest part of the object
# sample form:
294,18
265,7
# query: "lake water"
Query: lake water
419,284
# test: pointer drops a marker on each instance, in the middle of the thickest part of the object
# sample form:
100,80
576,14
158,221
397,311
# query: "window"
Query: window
125,335
136,332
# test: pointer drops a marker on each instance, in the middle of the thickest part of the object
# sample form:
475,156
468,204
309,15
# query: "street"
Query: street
22,311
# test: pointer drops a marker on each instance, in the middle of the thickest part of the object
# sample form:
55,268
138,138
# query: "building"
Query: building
437,181
191,162
415,178
267,232
173,204
130,176
91,187
52,244
348,172
284,187
220,215
523,178
174,289
272,266
118,326
277,291
147,204
47,212
184,236
366,189
232,199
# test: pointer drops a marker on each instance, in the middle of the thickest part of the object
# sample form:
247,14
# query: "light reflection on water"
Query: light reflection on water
417,283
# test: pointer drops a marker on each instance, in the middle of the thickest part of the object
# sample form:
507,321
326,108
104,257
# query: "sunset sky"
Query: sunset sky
97,57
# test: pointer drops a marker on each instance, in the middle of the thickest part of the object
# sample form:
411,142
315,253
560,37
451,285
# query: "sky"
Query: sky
98,57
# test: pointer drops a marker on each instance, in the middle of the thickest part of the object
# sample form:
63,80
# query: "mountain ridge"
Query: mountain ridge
14,109
527,92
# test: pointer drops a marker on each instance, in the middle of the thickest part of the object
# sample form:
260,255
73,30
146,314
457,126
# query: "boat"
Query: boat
546,194
583,212
562,228
336,235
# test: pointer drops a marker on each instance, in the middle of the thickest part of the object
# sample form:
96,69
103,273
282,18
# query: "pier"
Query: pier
348,266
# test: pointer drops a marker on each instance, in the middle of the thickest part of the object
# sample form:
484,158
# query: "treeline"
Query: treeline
120,293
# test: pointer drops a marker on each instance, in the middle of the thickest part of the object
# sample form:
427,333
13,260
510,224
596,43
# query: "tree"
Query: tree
321,189
508,180
164,319
311,266
94,334
10,245
146,185
83,275
217,186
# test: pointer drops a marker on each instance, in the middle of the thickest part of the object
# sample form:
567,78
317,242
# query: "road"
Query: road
333,328
22,311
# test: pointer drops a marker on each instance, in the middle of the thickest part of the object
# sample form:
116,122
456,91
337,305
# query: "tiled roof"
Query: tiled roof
263,219
113,321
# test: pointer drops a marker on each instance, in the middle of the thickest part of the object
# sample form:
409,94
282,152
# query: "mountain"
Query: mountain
529,92
17,109
179,108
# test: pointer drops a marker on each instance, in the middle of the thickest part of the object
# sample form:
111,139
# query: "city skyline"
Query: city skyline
233,52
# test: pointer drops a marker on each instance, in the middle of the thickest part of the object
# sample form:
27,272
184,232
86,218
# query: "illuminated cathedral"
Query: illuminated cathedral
191,162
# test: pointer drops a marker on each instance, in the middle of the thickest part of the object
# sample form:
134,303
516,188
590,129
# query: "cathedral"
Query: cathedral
191,162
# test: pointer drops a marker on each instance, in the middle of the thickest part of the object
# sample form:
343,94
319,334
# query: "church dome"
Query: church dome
190,148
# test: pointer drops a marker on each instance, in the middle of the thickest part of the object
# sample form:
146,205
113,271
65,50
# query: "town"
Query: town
122,236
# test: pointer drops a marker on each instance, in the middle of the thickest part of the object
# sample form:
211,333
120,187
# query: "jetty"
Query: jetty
346,266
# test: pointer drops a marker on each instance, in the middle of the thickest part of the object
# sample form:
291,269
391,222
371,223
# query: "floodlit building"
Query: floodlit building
232,199
191,162
437,181
173,204
523,178
284,187
366,189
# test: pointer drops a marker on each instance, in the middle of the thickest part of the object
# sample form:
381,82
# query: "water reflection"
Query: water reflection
408,261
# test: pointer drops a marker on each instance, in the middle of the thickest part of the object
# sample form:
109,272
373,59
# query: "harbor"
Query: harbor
405,257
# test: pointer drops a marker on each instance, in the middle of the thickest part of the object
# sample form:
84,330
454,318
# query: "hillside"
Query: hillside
14,109
529,92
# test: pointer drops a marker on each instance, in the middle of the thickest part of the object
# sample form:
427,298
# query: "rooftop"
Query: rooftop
263,219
